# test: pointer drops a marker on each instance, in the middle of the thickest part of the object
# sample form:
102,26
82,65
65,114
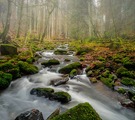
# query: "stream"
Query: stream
17,99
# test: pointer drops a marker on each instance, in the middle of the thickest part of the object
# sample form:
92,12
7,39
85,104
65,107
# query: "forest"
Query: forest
67,59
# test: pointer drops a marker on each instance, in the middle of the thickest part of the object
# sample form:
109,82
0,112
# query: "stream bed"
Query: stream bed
17,99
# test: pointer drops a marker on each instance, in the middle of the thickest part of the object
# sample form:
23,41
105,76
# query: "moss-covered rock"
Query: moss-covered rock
89,73
30,60
60,52
67,60
88,69
106,73
67,69
128,81
62,97
98,64
50,62
8,49
26,68
73,73
46,92
15,72
123,72
121,90
83,111
93,80
5,79
6,66
107,81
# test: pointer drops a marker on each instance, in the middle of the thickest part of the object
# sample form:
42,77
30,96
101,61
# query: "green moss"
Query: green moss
46,92
67,60
60,52
107,81
26,68
67,69
30,60
98,65
82,59
50,62
73,73
90,73
6,66
123,72
88,69
83,111
62,97
100,58
121,90
133,99
106,73
15,73
93,80
128,81
5,79
83,51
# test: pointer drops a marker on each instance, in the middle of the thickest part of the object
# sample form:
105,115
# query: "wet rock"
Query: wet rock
54,114
67,69
128,103
50,62
46,92
8,49
33,114
62,97
61,81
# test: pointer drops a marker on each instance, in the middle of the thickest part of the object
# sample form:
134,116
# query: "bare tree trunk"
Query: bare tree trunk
20,18
7,25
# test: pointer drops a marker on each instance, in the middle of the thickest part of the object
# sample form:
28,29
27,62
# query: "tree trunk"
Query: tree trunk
7,25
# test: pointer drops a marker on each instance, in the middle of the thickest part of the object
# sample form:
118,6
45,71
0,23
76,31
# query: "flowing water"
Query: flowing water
17,99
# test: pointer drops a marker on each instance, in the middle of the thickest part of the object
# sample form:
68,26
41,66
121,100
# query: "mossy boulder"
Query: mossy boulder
83,111
15,72
67,69
107,81
93,80
8,49
50,62
26,68
6,66
88,69
30,60
123,72
60,52
90,73
46,92
128,81
98,64
121,90
62,97
73,73
5,79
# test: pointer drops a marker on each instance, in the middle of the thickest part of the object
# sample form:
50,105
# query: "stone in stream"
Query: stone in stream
67,69
128,103
46,92
61,96
61,81
33,114
54,114
50,62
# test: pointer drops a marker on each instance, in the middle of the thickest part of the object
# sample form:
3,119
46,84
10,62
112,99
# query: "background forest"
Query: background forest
72,19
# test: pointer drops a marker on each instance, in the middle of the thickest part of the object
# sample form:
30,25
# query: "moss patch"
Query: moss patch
83,111
50,62
67,69
5,79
